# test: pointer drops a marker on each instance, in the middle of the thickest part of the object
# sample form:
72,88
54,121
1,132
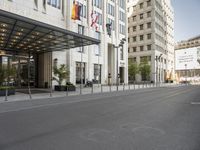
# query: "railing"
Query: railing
95,88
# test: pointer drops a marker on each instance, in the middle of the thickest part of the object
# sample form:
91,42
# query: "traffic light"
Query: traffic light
109,28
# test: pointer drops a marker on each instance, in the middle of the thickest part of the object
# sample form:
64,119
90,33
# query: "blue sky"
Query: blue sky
186,19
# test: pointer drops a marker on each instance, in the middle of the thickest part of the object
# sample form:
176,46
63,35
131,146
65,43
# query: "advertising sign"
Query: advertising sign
187,59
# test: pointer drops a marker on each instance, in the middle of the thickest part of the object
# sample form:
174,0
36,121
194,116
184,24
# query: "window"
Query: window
78,72
132,60
99,21
143,58
110,9
148,47
97,49
149,3
149,25
134,49
141,16
81,31
54,3
141,27
112,23
149,36
97,3
121,54
141,48
97,73
134,28
122,16
134,39
141,37
122,29
122,3
134,18
141,5
149,14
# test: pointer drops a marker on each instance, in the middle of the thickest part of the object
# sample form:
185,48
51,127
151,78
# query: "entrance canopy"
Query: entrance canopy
21,34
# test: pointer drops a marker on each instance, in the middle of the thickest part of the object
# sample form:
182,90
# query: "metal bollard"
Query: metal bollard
101,88
80,89
92,89
67,93
123,86
129,86
110,88
29,92
6,95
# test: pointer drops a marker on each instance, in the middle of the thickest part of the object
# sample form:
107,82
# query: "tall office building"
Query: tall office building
151,36
54,32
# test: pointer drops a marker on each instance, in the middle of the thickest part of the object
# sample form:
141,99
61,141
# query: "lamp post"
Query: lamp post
117,74
157,58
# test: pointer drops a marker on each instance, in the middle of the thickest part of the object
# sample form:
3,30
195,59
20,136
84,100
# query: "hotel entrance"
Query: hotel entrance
27,47
34,70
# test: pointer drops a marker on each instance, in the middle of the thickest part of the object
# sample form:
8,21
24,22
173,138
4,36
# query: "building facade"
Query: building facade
187,60
98,61
151,36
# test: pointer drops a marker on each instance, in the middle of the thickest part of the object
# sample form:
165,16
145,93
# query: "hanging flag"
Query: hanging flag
94,17
73,11
76,11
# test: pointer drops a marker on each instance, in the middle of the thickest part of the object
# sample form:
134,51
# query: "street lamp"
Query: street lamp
157,58
117,74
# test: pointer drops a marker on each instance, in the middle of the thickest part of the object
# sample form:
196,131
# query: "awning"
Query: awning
21,34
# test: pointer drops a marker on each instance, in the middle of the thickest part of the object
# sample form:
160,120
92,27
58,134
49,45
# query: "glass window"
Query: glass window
141,27
149,36
97,73
134,28
149,3
141,16
149,14
141,37
141,48
141,5
134,39
54,3
149,25
148,47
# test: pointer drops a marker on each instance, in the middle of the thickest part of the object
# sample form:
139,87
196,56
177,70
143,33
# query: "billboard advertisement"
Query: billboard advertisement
186,59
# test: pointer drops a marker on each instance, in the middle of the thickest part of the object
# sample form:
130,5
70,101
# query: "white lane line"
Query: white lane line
195,103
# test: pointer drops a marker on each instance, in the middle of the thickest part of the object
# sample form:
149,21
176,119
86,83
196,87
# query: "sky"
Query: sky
186,19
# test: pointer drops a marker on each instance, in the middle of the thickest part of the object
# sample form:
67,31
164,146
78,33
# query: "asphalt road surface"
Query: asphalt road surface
149,119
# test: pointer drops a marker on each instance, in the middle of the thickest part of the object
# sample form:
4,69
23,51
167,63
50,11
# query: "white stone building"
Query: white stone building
151,36
96,58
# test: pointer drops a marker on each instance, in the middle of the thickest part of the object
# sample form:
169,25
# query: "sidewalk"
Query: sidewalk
89,90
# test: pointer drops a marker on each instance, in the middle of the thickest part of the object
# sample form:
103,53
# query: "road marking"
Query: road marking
195,103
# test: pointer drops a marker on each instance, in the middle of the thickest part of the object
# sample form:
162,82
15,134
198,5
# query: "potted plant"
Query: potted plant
70,87
61,73
6,74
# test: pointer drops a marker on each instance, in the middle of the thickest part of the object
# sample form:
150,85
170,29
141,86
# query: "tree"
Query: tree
6,73
60,73
145,70
132,70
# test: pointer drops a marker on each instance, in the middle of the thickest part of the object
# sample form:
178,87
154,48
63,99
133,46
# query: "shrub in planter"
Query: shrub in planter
11,90
70,87
60,74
